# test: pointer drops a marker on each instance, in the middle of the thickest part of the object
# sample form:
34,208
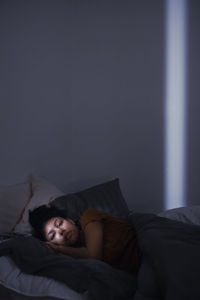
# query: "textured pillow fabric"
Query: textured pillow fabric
42,193
106,196
190,214
13,278
12,202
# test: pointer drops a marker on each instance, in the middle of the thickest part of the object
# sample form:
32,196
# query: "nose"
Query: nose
60,231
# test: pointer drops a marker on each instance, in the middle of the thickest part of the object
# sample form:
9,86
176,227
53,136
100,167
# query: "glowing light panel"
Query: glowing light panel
175,104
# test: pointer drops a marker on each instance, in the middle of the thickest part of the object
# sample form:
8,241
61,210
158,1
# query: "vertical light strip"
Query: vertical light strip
175,104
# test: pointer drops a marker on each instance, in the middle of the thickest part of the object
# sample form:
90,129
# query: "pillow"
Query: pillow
106,196
189,214
12,202
42,193
13,278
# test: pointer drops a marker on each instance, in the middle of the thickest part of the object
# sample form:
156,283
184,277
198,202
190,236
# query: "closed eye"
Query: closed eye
51,235
58,222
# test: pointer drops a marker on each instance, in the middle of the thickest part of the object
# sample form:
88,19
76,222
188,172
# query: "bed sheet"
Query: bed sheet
8,294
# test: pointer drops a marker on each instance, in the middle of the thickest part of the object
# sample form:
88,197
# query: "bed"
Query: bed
169,244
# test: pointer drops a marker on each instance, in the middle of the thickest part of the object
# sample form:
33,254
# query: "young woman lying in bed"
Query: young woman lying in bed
98,235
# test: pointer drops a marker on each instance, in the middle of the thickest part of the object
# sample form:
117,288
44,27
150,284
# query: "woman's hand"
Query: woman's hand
68,251
57,249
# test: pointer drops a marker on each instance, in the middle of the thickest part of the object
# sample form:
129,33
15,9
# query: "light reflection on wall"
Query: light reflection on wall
175,104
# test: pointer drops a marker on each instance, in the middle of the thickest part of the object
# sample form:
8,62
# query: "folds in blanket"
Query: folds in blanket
173,250
99,279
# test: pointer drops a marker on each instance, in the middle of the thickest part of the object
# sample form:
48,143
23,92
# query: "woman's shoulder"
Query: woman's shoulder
91,215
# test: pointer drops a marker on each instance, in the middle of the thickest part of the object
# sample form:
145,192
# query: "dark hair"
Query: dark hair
40,215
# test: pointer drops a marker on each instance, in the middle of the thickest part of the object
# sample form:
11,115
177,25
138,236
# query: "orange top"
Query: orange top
119,240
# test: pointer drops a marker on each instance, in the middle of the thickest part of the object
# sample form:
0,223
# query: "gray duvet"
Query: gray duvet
170,267
170,263
99,279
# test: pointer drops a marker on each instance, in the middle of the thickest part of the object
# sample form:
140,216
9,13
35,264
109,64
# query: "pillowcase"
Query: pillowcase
12,202
14,279
189,214
42,193
106,196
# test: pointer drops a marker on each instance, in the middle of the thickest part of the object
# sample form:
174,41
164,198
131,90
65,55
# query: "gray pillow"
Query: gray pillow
13,199
106,196
190,214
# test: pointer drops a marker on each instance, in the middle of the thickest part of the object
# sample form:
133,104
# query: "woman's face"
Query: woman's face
61,231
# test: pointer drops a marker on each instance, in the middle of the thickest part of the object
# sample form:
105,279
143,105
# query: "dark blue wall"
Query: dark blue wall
81,94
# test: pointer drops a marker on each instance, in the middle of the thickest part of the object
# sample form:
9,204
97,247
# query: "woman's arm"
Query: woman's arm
68,250
93,243
94,239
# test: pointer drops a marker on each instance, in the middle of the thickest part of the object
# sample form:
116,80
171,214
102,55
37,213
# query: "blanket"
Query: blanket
98,278
172,250
170,255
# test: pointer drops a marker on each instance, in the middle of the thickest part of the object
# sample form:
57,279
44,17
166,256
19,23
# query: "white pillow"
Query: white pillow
12,202
190,214
42,193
